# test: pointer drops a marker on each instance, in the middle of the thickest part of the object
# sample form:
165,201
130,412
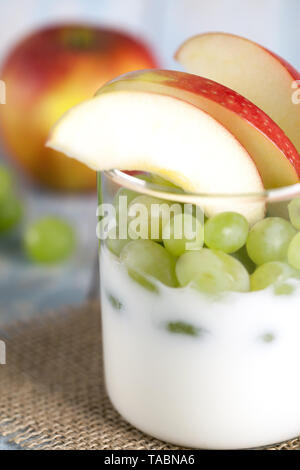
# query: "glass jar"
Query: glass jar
201,368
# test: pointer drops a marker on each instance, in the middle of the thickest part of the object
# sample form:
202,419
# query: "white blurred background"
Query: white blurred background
164,23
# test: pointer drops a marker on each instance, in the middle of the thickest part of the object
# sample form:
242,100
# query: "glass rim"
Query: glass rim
164,192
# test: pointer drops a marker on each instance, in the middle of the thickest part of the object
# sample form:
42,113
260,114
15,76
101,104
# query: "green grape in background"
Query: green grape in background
11,208
226,231
269,239
144,259
49,240
294,212
6,183
11,211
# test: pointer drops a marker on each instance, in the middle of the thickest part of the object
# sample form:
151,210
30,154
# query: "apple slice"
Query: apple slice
276,158
132,129
253,71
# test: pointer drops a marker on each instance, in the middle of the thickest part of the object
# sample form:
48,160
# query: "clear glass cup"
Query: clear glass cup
201,370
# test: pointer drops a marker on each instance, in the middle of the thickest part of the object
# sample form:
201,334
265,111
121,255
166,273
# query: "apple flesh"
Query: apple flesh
47,73
253,71
276,158
135,129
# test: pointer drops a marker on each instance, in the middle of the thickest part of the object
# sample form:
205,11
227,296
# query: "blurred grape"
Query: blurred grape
49,240
11,210
6,183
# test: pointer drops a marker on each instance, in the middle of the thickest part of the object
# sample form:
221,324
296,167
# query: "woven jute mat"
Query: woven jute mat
52,391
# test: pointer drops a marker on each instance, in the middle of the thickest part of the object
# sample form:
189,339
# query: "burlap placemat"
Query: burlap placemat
52,392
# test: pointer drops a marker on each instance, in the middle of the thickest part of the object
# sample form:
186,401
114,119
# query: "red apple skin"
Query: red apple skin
46,74
218,93
289,69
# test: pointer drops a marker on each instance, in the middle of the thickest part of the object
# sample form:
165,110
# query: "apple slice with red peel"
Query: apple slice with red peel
276,158
253,71
134,129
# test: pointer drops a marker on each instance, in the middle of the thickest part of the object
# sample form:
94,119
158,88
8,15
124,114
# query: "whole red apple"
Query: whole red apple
46,74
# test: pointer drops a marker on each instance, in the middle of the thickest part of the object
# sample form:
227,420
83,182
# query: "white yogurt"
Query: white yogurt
235,385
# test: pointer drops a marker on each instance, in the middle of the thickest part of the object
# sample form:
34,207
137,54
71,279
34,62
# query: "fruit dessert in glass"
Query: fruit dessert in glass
199,256
201,345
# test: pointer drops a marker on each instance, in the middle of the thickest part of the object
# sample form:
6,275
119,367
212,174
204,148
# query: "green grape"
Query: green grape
212,271
237,271
204,271
195,211
124,192
182,233
144,177
145,259
294,252
273,272
49,240
227,232
10,206
6,183
115,244
269,239
156,179
147,215
242,256
10,213
294,212
284,289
